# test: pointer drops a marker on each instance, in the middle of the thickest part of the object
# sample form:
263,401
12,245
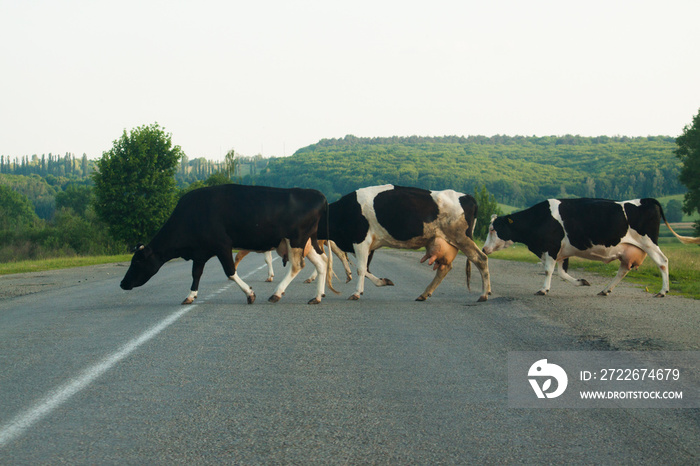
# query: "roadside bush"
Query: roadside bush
69,234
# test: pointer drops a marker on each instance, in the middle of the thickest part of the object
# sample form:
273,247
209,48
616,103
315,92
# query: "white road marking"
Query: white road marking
24,420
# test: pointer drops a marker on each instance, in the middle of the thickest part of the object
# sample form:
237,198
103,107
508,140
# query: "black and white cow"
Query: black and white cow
211,221
595,229
406,218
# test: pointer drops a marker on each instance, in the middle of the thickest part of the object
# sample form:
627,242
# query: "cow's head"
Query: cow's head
143,266
499,234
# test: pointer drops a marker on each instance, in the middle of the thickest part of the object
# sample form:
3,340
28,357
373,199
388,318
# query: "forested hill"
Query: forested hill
517,170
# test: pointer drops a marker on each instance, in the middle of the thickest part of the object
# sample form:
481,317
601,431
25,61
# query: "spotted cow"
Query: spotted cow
595,229
406,218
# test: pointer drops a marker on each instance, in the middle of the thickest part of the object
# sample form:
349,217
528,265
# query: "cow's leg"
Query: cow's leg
561,269
661,261
631,257
239,257
378,281
197,269
229,266
314,273
312,277
549,264
320,263
296,259
373,278
481,261
270,270
250,294
621,273
343,256
442,271
362,255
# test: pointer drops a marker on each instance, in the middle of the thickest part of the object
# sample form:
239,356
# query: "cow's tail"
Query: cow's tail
329,269
329,259
682,239
470,234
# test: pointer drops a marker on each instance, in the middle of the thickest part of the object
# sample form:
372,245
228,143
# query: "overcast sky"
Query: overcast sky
273,76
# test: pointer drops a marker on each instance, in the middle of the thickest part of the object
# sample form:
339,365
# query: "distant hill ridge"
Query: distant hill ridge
518,170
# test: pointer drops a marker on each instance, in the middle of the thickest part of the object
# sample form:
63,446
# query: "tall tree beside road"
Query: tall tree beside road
689,153
135,183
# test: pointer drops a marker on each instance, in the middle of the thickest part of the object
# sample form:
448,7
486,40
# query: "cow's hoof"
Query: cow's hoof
660,295
269,279
308,280
387,282
251,298
541,293
421,298
348,279
604,293
188,300
354,297
482,298
274,298
583,282
315,301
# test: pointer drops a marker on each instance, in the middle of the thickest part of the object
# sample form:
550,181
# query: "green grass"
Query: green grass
58,263
508,209
684,266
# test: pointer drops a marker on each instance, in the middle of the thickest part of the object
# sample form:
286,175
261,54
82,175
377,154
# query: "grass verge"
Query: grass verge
59,263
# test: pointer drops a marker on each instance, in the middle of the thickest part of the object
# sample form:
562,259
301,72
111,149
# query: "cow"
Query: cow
595,229
405,218
211,221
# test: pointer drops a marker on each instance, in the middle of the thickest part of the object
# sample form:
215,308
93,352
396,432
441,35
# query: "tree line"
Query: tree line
55,165
63,205
518,171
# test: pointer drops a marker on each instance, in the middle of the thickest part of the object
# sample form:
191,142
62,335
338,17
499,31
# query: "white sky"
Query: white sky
270,77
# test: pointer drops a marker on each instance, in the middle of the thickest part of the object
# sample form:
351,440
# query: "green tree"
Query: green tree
231,165
135,183
16,210
688,152
75,197
216,179
674,211
487,207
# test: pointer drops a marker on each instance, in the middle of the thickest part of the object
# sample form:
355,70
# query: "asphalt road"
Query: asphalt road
91,374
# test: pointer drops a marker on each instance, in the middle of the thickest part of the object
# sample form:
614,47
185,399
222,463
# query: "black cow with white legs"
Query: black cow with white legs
596,229
406,218
210,222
